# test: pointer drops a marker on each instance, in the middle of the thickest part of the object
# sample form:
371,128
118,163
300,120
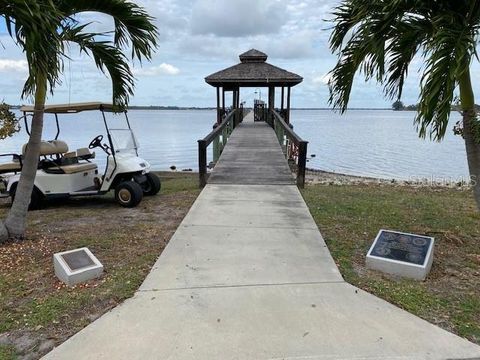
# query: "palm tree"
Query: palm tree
380,38
44,48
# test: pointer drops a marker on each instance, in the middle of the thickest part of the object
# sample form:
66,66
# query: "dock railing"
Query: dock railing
293,146
219,136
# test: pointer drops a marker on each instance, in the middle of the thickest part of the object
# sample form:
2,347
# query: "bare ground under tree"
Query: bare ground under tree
37,311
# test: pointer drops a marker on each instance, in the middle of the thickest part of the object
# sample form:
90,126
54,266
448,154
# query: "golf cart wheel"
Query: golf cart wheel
128,194
152,185
36,200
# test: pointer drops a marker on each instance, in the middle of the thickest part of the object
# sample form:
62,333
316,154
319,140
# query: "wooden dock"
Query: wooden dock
253,156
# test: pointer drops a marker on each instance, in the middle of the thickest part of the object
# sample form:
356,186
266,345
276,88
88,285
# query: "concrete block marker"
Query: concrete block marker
76,266
402,254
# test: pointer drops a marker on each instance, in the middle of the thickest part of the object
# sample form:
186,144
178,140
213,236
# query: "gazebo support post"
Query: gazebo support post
287,117
239,112
271,98
271,103
223,101
234,107
219,112
216,142
283,98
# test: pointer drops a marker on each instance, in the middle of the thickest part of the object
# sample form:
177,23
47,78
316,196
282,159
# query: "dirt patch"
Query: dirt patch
37,311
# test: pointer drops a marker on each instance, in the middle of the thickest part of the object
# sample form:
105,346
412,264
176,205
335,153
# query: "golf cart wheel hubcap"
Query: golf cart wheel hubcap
124,195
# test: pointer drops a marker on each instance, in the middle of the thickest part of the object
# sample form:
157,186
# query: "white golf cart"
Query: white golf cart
65,173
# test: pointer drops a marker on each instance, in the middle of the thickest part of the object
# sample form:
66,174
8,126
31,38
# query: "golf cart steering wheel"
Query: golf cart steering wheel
97,142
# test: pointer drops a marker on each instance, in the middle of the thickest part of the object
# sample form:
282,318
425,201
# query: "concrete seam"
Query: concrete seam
242,286
252,227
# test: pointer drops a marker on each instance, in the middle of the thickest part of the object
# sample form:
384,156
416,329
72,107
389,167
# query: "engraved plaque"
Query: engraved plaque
402,247
77,260
401,254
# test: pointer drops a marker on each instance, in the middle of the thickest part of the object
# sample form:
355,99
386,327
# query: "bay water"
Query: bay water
375,143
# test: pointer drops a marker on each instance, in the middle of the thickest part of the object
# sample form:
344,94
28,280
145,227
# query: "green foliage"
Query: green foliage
7,352
380,38
8,122
33,25
398,105
474,124
43,27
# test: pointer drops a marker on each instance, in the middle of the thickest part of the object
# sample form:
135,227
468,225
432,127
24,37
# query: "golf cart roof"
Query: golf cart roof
72,108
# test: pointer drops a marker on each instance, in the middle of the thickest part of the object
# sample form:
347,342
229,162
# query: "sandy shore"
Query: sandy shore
314,176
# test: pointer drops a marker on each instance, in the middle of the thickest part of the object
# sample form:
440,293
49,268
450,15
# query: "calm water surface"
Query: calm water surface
378,143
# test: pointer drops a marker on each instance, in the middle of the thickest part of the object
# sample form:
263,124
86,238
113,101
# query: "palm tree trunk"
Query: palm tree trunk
470,134
15,223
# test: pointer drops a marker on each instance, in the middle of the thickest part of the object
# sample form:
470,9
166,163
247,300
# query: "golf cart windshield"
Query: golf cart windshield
124,141
118,127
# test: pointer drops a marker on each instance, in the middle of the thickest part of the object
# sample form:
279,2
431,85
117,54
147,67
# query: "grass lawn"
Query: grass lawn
37,311
349,217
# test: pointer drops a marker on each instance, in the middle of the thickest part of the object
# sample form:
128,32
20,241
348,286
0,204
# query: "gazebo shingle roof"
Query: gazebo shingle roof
253,70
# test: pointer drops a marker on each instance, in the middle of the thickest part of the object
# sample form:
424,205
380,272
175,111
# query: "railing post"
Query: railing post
216,146
202,162
224,136
302,163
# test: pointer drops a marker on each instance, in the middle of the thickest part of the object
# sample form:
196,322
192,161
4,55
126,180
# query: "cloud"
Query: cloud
286,46
322,79
97,22
8,65
162,69
237,18
199,37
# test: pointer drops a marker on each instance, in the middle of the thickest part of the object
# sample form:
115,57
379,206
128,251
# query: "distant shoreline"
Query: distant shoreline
214,108
156,108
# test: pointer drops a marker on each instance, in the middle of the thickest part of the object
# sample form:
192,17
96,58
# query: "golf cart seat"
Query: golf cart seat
52,147
76,168
70,155
85,154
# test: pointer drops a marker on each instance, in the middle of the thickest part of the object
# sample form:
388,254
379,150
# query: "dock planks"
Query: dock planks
252,156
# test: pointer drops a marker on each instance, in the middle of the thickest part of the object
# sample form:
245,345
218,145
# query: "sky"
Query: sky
200,37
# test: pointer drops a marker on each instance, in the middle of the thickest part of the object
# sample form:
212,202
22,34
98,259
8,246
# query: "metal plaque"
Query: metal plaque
403,247
77,260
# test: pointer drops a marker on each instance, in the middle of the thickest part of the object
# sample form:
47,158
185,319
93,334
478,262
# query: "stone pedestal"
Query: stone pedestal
76,266
402,254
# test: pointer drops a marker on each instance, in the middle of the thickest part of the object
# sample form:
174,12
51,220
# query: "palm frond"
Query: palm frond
364,51
447,54
133,26
108,58
408,36
39,27
33,25
379,39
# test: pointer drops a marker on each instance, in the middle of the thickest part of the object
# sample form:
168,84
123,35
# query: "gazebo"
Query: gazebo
253,71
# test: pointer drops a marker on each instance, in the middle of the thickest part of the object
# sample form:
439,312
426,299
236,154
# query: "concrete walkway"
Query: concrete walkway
247,275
